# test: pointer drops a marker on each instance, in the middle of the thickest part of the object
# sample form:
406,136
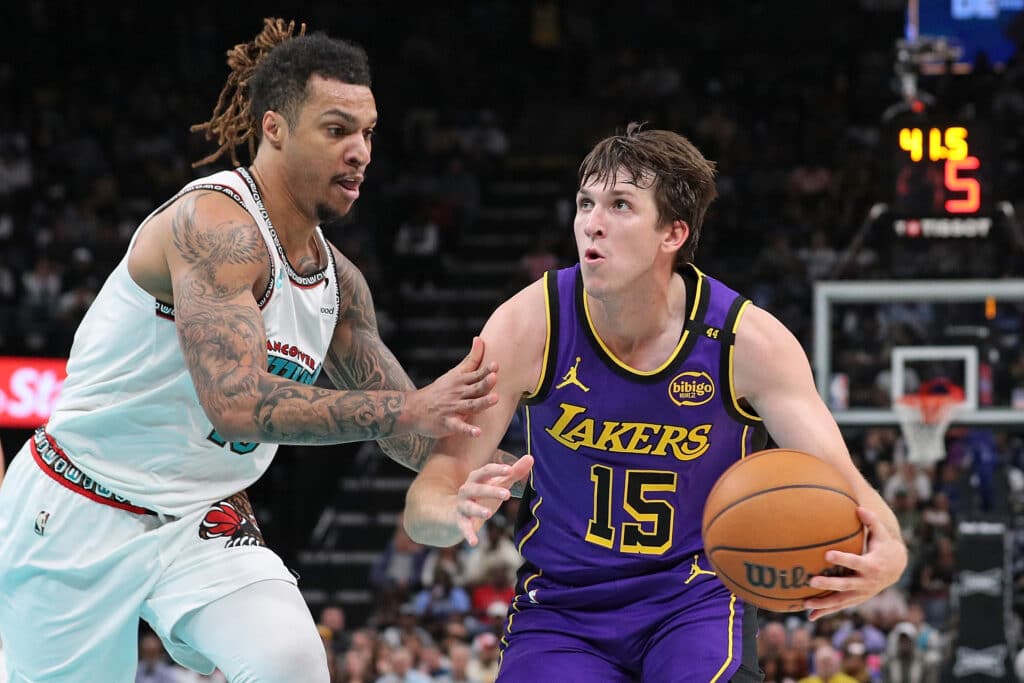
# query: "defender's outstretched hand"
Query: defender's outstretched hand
872,572
483,493
442,408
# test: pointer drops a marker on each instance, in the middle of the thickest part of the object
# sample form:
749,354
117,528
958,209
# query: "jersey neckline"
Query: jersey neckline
696,304
305,281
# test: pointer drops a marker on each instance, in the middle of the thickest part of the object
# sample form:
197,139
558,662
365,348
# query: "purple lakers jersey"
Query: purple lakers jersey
624,458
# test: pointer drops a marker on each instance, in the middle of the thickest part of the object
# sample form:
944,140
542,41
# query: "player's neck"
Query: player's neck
645,318
294,227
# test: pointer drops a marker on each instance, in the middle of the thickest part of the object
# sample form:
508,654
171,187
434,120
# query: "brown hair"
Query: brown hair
683,180
270,73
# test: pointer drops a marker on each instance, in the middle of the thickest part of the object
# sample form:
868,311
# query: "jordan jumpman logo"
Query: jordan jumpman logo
696,571
571,378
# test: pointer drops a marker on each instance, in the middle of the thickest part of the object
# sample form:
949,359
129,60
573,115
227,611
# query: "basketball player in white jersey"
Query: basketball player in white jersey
197,358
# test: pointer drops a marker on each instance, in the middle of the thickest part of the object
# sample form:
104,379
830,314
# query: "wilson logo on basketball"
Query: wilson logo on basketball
691,388
766,576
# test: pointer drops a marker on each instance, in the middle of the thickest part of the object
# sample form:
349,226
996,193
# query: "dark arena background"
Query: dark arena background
871,194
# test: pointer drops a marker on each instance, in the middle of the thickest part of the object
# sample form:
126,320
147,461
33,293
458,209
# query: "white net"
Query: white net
924,424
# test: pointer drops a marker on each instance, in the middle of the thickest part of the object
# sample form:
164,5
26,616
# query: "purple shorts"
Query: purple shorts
668,627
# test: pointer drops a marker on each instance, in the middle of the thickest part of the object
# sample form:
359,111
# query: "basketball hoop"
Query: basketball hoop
925,416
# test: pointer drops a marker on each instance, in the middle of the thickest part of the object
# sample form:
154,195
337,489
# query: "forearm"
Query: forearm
282,411
413,450
430,511
408,450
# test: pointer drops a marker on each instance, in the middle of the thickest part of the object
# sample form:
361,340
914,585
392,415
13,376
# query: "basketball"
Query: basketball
769,520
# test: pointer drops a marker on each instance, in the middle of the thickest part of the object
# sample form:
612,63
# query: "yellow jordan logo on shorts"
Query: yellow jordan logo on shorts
696,571
571,378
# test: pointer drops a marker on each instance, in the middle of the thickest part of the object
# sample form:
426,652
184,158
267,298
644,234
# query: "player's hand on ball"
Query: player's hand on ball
486,488
878,568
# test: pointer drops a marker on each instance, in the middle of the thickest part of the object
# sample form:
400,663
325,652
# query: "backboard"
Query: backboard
876,340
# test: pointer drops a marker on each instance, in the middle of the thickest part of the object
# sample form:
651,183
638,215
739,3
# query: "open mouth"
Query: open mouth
592,255
351,186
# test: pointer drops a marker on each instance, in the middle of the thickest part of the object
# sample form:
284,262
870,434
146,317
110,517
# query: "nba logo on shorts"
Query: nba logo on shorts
41,520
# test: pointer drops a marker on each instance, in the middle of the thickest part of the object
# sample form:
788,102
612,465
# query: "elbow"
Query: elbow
423,524
426,533
234,425
412,518
412,527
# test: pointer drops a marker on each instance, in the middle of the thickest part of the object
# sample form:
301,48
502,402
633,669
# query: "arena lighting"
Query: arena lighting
29,388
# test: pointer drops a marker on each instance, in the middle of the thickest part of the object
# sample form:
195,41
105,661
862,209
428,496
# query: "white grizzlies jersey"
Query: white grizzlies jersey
128,415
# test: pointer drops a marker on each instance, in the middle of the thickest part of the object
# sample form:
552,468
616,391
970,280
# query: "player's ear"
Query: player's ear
274,128
676,235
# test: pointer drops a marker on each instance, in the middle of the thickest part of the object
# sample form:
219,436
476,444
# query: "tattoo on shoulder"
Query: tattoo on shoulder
357,302
209,247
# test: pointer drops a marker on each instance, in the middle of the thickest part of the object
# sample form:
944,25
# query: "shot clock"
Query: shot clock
942,177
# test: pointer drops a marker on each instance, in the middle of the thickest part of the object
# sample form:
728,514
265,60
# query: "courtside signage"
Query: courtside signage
29,388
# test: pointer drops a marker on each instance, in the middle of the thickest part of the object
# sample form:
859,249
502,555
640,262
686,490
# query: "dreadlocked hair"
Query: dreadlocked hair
232,122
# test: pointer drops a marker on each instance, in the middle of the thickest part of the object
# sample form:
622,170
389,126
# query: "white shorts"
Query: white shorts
77,573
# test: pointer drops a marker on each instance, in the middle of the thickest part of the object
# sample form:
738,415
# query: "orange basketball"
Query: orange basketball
769,520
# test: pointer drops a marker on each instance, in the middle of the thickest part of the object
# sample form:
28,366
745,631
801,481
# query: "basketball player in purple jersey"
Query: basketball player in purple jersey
643,379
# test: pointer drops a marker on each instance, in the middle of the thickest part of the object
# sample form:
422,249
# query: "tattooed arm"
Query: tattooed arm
215,256
359,359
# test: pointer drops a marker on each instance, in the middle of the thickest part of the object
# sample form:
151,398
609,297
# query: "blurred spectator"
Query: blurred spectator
497,589
484,666
8,299
936,519
401,669
461,188
793,665
332,617
826,668
450,559
857,629
455,632
911,480
934,580
407,630
819,258
364,642
929,639
459,657
400,566
772,639
495,547
355,668
42,286
905,663
855,661
538,260
444,598
432,662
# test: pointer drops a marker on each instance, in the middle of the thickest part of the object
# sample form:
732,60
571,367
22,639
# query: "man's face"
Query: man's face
329,147
618,232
